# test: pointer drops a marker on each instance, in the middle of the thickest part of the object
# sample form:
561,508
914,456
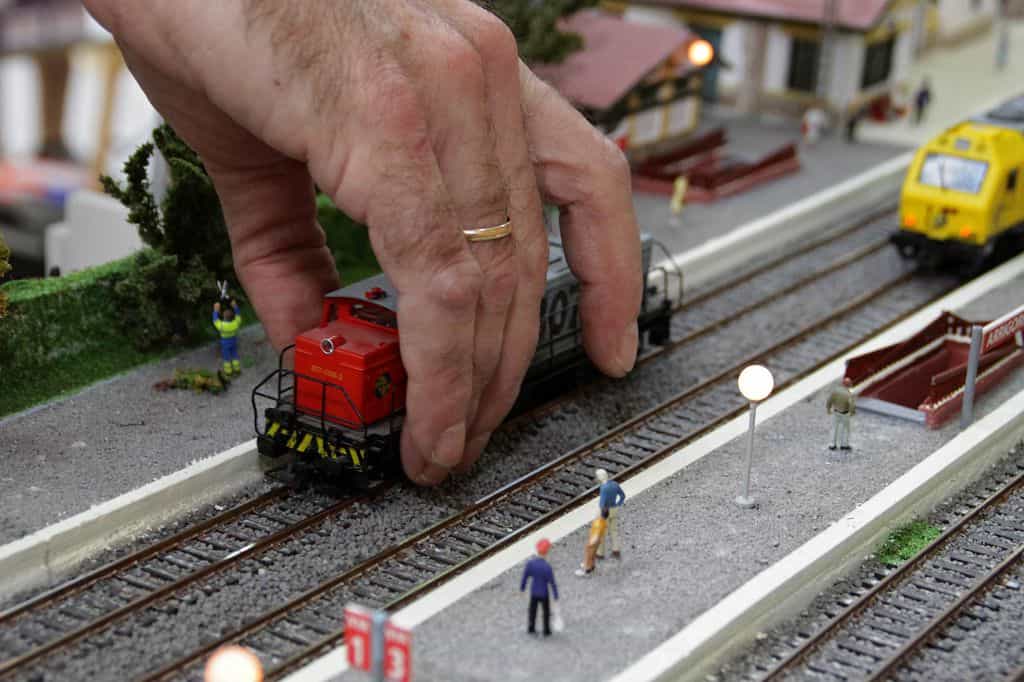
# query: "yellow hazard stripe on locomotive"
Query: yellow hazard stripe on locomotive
300,441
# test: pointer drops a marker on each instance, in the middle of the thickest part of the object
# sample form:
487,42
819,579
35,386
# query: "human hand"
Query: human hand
216,307
419,120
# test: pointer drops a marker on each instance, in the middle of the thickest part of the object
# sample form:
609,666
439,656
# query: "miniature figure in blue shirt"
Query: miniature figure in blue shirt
543,579
610,499
227,323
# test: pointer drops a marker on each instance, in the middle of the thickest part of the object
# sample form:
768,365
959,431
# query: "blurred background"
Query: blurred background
69,111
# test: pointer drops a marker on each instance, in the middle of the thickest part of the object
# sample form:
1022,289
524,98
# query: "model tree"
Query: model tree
160,296
535,25
5,267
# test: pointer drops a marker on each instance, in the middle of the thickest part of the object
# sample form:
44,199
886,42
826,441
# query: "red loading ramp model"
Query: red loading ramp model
712,173
922,379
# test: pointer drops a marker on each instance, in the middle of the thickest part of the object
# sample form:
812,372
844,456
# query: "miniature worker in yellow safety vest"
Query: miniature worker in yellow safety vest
227,323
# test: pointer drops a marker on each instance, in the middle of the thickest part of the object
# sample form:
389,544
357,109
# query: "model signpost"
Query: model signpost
378,645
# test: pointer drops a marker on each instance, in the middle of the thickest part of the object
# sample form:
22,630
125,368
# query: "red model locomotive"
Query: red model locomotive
340,409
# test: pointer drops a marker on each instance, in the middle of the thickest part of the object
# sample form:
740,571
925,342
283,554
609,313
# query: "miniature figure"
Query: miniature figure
594,540
610,500
540,571
813,125
227,323
841,405
922,98
678,202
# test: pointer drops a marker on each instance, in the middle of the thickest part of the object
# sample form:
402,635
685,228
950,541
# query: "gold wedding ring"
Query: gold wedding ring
485,234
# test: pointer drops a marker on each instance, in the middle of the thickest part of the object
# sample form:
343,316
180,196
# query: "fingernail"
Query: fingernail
627,348
450,446
476,446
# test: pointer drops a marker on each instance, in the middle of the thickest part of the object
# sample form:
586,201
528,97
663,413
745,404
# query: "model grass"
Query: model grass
906,542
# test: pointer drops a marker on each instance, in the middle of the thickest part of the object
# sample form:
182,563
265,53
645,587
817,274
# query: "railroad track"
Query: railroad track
59,618
310,623
882,633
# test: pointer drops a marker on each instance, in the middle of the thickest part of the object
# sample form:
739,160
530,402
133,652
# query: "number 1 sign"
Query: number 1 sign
359,636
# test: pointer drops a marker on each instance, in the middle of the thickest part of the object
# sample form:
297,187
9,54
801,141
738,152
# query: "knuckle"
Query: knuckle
457,286
394,103
497,43
463,65
616,163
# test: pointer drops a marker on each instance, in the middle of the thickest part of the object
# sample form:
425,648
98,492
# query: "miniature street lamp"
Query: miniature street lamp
756,384
233,663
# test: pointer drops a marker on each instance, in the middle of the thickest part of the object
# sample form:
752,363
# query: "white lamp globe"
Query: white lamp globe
756,383
233,663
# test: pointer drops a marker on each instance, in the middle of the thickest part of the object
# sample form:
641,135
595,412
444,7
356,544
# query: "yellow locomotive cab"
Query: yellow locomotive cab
963,191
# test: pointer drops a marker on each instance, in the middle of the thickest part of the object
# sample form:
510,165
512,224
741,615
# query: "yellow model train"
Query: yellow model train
963,197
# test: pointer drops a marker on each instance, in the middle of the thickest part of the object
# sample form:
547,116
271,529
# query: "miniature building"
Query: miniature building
788,55
635,81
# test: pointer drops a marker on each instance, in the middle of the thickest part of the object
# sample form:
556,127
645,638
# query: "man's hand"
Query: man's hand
419,120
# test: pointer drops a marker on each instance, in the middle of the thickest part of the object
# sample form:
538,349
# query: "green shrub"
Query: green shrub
157,300
535,26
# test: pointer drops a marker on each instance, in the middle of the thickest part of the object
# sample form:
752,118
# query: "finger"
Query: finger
497,47
414,233
581,171
279,250
464,141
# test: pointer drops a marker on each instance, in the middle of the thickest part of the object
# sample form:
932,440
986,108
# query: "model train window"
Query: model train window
382,317
803,65
953,172
1011,180
877,63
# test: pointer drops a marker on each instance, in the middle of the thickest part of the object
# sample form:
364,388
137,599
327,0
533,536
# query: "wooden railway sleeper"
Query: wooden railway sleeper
158,573
297,621
184,565
198,554
487,529
532,506
137,583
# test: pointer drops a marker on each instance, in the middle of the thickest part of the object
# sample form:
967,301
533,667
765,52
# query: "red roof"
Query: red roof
616,56
859,15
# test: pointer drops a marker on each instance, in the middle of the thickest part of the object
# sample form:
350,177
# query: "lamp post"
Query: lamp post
756,384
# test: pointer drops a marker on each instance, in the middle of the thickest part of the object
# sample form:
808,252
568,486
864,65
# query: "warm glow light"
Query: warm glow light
700,53
756,383
966,232
233,664
909,220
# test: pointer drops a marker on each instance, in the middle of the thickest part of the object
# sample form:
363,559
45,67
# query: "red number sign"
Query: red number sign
397,653
358,634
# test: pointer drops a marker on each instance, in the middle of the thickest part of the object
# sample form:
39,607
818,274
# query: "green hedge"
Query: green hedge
61,333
